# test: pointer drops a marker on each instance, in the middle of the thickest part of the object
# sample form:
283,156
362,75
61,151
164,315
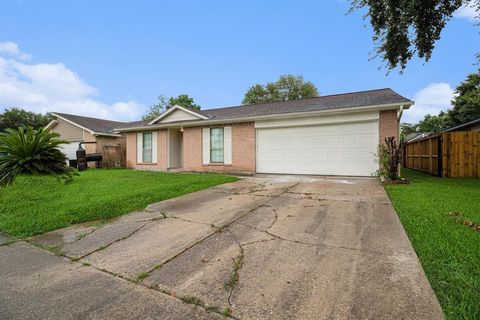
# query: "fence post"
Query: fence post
439,155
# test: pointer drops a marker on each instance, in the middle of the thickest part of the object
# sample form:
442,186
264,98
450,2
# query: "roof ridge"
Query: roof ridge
301,99
85,117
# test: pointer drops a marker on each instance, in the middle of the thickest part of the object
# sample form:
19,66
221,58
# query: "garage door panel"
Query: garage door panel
70,149
341,149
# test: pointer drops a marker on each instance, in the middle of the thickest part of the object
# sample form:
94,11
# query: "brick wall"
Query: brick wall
388,125
161,164
243,150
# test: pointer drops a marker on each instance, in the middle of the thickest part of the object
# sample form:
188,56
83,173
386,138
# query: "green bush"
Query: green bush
28,151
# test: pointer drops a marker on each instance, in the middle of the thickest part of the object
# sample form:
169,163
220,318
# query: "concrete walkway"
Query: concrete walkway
266,247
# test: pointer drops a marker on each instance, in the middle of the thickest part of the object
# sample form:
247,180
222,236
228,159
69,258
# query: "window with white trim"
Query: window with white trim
216,145
147,147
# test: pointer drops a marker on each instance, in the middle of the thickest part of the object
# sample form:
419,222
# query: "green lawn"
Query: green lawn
38,204
449,251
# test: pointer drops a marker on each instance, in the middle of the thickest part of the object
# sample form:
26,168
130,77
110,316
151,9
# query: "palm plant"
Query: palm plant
29,151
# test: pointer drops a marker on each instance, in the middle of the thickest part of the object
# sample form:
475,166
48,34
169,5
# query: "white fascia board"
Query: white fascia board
50,124
177,107
312,120
107,134
197,123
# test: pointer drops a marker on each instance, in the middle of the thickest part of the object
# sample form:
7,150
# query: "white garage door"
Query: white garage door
70,149
337,149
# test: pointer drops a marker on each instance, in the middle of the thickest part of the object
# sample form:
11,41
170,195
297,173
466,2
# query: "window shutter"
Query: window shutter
227,145
206,145
154,147
139,147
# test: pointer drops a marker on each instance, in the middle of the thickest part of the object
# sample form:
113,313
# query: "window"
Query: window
147,147
216,145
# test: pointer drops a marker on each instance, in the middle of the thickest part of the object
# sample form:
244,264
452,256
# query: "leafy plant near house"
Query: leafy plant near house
389,154
28,151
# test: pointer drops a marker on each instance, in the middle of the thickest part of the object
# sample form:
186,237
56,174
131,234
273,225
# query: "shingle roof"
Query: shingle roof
465,125
336,101
99,125
411,136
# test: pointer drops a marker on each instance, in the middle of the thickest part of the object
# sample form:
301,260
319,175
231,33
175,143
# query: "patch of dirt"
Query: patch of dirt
399,181
455,214
470,224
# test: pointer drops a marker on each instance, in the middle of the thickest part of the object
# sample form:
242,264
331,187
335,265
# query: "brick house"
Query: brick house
75,129
327,135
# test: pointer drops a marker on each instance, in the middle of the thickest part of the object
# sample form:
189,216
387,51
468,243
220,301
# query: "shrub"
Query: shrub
29,151
389,155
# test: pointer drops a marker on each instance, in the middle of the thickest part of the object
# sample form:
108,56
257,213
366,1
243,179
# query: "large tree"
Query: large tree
408,27
465,108
165,103
466,104
433,123
15,117
287,87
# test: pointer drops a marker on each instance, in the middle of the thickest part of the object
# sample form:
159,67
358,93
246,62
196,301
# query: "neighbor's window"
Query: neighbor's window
216,145
147,147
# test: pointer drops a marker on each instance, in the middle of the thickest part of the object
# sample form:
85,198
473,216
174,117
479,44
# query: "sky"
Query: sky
112,59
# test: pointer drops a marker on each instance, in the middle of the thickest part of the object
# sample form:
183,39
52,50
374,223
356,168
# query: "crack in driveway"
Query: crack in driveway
239,265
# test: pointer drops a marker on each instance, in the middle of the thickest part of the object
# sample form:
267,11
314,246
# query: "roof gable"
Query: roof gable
93,125
178,113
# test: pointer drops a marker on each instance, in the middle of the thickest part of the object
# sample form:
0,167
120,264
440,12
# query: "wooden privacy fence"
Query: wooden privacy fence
449,154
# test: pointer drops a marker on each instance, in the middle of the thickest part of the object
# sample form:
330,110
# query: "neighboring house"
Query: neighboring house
416,136
327,135
468,126
76,129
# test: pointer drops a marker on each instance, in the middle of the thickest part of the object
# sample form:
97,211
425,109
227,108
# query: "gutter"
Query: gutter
198,123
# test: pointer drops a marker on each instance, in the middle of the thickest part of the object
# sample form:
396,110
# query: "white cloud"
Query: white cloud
432,99
12,49
467,11
44,87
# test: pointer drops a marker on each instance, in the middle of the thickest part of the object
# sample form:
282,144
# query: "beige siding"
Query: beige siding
68,131
178,115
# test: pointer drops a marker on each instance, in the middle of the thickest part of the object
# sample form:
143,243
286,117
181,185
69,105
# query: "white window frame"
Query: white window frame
222,145
140,155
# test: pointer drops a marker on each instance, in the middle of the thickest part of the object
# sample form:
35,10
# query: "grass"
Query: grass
38,204
141,276
449,251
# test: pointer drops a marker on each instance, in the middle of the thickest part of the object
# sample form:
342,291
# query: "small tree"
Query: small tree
287,87
29,151
165,103
389,155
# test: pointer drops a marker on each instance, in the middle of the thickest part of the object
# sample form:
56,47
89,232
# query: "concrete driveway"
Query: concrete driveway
265,247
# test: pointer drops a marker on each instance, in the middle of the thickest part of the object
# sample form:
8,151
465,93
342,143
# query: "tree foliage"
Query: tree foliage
405,28
287,87
465,108
16,117
165,103
29,151
466,104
